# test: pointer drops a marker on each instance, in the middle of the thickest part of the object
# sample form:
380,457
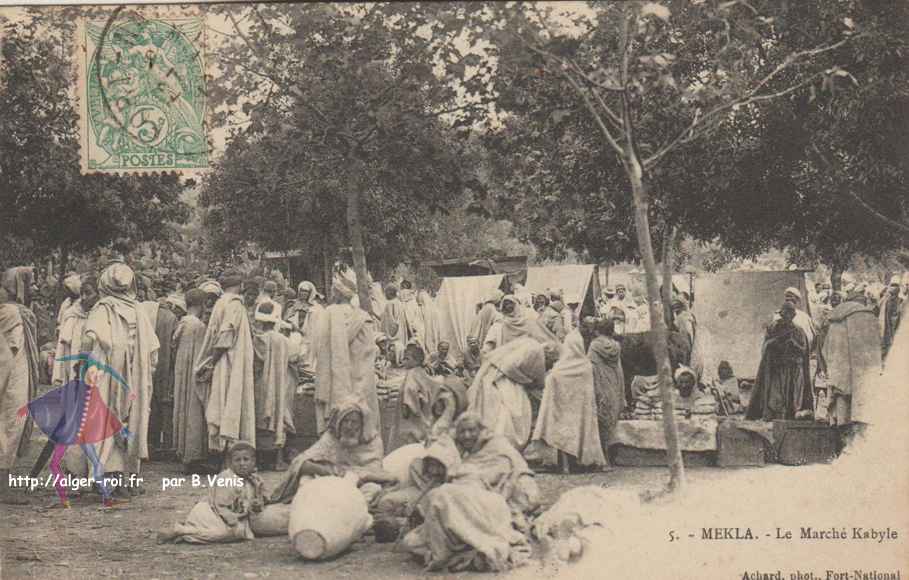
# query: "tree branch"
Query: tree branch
611,115
749,97
287,87
687,134
613,142
617,121
856,198
794,58
627,24
569,63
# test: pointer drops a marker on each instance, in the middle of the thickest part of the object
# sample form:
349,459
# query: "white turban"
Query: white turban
344,286
794,291
211,287
682,370
73,282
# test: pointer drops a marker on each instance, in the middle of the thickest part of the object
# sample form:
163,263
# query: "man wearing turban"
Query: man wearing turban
226,362
118,334
346,350
303,314
18,368
72,284
394,325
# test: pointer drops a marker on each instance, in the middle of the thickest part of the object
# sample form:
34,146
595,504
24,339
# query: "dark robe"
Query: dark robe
782,388
30,328
270,375
24,377
890,312
190,397
161,427
608,383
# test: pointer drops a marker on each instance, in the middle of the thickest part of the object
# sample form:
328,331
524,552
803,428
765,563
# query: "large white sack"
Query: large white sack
398,461
328,514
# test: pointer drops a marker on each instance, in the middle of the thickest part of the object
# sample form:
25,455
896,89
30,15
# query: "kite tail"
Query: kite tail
126,433
22,413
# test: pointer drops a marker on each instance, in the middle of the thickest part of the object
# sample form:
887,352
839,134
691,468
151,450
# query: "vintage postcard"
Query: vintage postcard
404,290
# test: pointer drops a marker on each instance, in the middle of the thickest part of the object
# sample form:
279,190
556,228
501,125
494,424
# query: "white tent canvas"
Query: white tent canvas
573,280
456,304
733,310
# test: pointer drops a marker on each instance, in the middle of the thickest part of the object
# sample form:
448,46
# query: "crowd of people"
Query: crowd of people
211,371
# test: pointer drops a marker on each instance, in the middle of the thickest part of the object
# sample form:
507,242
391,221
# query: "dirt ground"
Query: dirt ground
45,541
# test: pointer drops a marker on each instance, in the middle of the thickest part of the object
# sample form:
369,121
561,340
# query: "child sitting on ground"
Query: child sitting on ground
382,363
236,496
728,388
413,419
440,363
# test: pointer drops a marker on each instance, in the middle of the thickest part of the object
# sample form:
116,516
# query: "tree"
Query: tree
50,207
656,77
369,95
569,201
850,172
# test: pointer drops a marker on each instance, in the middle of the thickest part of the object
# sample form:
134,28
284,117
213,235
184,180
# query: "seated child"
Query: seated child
439,362
413,419
728,388
382,363
235,498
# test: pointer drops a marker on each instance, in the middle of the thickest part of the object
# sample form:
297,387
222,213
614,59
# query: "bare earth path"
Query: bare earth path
45,541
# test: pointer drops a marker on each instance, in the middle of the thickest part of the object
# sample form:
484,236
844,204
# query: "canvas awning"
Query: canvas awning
577,282
733,310
456,304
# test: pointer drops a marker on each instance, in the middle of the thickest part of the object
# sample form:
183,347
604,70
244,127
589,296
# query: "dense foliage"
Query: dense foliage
50,208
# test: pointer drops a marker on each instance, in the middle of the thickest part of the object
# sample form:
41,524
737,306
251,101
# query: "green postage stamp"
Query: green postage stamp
142,94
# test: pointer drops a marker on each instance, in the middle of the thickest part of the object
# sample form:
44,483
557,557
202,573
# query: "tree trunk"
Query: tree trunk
61,290
659,333
355,230
836,277
327,273
666,296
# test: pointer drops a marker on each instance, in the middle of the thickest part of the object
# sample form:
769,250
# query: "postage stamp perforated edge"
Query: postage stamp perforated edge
84,49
